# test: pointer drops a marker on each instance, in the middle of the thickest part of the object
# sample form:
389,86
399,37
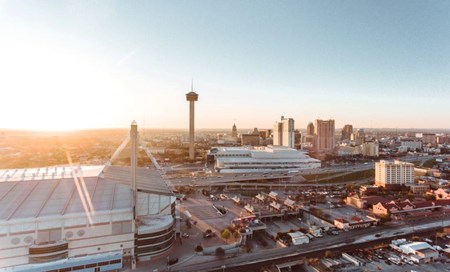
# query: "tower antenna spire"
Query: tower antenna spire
192,84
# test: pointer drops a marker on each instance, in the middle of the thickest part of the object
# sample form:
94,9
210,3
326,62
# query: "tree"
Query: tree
328,254
220,252
198,248
226,234
410,195
429,197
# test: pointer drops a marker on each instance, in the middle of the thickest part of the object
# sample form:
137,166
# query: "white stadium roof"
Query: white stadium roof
26,193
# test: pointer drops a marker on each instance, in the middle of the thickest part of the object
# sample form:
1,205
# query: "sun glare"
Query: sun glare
52,86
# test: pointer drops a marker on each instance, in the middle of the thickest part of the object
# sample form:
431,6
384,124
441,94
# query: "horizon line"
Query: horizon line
187,129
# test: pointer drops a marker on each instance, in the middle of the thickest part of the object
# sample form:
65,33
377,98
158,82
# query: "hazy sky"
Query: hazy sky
88,64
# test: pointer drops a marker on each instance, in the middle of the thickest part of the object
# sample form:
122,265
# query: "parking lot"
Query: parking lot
380,260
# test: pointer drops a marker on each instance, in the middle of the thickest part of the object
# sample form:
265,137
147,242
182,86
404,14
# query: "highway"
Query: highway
345,240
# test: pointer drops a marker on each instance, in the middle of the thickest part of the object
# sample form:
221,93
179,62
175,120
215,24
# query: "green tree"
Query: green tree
410,195
226,234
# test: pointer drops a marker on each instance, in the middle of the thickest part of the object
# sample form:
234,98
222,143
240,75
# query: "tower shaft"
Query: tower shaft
191,130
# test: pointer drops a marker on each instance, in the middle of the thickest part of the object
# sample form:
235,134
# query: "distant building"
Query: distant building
234,133
283,132
308,137
250,139
429,138
344,151
442,139
346,132
265,134
324,136
392,174
410,145
370,149
297,139
358,137
270,158
310,129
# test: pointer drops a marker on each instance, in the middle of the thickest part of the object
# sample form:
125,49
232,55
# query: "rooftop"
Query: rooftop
35,193
148,180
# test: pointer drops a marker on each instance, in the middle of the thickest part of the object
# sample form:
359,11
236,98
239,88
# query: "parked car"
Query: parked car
209,234
185,235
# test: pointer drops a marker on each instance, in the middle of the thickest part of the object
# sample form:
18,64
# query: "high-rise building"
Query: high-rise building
310,129
390,174
359,137
346,132
308,138
234,131
283,132
191,97
324,136
297,139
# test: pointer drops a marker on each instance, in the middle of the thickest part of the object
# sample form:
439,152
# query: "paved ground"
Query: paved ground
382,266
203,212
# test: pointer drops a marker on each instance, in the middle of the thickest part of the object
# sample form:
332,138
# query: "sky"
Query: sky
68,65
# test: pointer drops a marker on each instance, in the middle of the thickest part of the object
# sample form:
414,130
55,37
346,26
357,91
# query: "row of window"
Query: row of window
268,163
152,241
149,250
155,234
91,265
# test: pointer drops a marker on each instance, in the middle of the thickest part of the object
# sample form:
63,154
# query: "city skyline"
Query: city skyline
86,65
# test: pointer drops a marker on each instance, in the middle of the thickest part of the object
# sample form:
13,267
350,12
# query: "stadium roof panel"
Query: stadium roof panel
96,187
148,179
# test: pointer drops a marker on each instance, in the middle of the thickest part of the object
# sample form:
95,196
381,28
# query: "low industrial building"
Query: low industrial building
355,222
298,238
260,159
419,252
